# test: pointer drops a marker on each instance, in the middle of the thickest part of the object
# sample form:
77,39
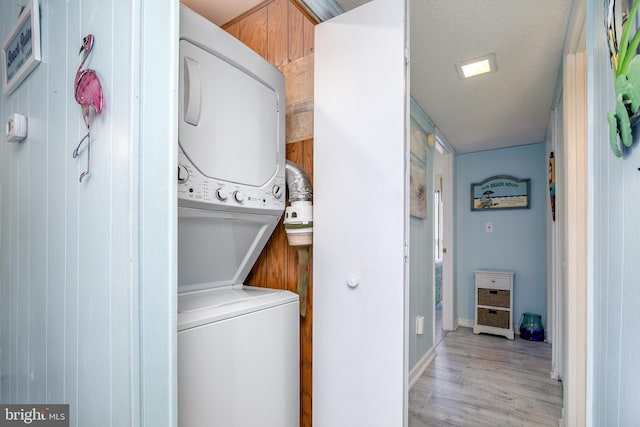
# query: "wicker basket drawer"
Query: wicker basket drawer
495,318
494,297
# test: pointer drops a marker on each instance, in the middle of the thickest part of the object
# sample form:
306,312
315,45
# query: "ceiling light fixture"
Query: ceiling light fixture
477,66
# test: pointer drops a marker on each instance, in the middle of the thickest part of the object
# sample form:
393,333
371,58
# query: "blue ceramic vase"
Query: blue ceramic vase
531,327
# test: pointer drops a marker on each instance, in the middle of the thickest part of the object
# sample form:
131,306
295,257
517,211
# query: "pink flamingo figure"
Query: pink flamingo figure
88,93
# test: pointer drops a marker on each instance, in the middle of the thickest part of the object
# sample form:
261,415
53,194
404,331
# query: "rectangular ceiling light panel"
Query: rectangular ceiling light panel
476,67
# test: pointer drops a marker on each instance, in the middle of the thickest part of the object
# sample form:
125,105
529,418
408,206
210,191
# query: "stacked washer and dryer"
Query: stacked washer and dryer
238,346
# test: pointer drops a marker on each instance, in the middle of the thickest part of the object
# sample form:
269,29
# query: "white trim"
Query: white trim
575,170
448,239
421,366
557,252
407,223
575,40
442,143
448,259
465,323
549,141
419,115
156,28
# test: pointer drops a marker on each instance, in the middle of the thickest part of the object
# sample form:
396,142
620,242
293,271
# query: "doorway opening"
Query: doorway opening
438,223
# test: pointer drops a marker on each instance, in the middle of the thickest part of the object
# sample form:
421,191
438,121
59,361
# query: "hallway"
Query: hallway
485,380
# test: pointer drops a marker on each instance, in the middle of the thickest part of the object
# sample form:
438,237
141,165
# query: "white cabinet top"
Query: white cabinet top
495,272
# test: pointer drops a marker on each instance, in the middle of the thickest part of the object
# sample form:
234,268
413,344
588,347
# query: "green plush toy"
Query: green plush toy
626,66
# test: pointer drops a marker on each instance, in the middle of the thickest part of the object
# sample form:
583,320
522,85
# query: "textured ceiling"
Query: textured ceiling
507,108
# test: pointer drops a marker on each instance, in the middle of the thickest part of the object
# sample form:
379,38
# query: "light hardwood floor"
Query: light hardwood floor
486,380
440,333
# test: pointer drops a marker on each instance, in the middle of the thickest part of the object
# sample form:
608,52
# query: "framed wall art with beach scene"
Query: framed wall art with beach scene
500,192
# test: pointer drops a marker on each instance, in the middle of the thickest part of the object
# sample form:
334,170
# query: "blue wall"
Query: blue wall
87,270
421,265
67,281
518,242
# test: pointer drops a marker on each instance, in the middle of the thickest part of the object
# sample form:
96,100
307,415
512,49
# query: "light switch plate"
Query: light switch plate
488,227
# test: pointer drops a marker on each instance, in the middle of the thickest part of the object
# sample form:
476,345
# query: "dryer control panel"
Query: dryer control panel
197,190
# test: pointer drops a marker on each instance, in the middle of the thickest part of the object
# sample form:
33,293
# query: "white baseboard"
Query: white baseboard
456,324
467,323
420,367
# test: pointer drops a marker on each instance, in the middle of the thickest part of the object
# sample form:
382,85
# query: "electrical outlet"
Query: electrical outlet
419,325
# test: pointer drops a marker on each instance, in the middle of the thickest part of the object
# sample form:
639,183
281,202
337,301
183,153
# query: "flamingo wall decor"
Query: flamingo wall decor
88,93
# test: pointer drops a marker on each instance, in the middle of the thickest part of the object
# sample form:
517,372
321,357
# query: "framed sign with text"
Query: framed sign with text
21,48
500,192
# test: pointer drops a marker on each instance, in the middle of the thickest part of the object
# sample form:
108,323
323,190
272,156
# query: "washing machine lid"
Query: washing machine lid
213,305
217,249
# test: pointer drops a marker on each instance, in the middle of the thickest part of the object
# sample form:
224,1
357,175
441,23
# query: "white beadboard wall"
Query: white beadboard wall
72,287
614,289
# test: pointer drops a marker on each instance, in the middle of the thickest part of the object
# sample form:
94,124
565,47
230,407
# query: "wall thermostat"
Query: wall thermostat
16,128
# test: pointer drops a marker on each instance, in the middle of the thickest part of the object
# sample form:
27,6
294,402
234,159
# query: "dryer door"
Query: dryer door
229,126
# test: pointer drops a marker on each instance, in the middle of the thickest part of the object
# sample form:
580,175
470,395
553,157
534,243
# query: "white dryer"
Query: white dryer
238,346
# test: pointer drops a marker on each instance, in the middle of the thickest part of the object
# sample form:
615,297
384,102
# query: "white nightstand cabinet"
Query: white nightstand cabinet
494,303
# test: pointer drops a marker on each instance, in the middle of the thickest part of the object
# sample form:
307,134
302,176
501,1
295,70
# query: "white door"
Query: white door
447,171
361,219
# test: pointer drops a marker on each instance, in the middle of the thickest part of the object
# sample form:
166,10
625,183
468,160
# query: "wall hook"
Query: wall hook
76,153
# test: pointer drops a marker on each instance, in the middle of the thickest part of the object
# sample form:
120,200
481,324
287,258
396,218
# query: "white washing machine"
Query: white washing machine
238,358
238,346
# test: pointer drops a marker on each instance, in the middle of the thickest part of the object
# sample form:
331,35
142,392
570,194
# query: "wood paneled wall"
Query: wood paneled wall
278,30
281,33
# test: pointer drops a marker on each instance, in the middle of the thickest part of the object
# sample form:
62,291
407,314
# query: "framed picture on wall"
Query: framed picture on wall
500,192
418,190
21,48
418,171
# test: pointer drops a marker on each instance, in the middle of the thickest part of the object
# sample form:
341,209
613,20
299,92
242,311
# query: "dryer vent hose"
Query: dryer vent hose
298,183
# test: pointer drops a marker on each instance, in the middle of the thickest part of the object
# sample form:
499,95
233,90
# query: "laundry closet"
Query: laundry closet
238,345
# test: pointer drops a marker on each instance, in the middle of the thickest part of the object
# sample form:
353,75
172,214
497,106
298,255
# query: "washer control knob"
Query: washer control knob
276,190
238,196
183,174
221,194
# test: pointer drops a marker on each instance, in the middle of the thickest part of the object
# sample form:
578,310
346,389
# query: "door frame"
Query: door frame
556,247
156,130
575,226
448,254
576,238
